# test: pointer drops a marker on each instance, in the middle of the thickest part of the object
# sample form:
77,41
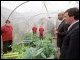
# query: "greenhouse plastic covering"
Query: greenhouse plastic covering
24,14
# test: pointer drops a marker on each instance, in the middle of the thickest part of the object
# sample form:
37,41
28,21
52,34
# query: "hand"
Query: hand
56,31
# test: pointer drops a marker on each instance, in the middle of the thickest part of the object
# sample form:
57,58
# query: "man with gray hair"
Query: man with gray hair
61,30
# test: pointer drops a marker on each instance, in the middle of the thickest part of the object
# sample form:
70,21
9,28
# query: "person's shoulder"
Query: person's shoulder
76,27
3,26
75,30
11,25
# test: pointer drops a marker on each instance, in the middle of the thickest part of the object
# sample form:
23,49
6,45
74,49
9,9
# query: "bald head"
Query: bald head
61,15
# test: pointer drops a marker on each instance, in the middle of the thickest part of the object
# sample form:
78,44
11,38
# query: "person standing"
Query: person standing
41,31
7,36
70,46
61,30
34,30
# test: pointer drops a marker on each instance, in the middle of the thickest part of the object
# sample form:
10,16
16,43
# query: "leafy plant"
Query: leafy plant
32,53
10,55
47,50
34,48
17,48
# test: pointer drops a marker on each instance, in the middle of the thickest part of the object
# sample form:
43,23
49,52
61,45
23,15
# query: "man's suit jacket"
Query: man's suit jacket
62,29
70,46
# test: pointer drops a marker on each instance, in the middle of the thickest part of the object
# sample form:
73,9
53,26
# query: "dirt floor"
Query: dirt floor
57,53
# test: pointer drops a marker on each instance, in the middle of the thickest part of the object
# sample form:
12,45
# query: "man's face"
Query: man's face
60,16
67,18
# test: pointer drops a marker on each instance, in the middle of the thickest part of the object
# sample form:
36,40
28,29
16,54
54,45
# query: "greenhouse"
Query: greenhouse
23,16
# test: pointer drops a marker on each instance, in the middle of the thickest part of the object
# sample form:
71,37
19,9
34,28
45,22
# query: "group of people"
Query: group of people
67,34
41,31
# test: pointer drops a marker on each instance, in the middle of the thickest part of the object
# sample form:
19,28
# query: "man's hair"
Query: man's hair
7,21
73,12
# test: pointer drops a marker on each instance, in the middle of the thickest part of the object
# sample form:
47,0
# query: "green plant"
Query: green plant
34,48
10,55
32,53
47,50
17,48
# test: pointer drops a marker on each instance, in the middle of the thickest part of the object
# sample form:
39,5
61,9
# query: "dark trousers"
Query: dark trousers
7,46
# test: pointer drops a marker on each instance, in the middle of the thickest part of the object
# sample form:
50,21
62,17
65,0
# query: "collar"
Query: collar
73,24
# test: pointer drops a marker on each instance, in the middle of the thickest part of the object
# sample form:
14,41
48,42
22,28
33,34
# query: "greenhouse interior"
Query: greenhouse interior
24,42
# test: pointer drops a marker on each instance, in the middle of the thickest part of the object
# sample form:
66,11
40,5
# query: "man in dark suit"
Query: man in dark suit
62,28
70,46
